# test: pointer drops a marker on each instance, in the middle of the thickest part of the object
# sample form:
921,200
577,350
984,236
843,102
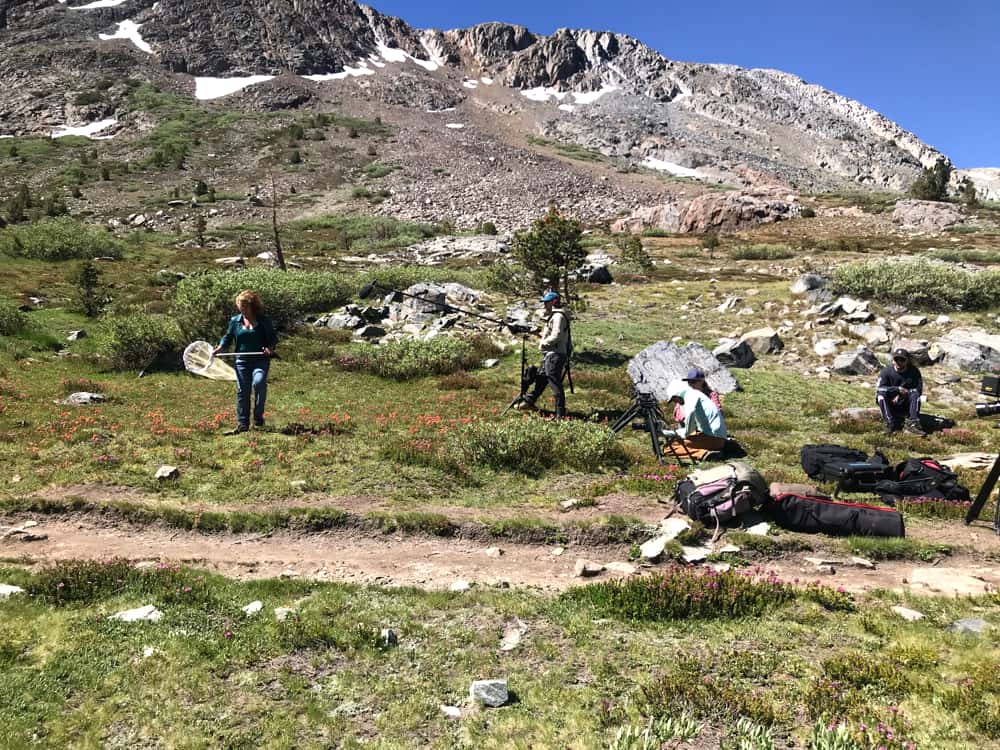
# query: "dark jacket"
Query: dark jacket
890,381
261,337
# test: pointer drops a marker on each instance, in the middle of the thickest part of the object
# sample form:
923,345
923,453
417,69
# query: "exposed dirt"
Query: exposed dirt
349,555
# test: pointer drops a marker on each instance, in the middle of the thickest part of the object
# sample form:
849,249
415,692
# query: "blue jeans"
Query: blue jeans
251,372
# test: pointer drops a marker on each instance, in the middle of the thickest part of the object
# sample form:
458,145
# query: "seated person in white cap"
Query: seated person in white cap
704,429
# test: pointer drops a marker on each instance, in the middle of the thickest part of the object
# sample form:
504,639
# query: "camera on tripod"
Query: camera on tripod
990,387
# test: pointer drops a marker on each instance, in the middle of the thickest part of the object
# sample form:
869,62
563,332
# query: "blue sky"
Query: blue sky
930,66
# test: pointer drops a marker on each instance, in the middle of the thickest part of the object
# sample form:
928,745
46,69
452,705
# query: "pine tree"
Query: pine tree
932,184
551,250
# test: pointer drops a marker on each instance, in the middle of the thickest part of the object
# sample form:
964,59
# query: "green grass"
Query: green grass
875,548
215,677
569,150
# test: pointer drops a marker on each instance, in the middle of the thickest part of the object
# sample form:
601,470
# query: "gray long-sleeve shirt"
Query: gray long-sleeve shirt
555,336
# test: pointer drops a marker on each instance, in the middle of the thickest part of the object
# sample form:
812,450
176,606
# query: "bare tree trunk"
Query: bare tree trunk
279,254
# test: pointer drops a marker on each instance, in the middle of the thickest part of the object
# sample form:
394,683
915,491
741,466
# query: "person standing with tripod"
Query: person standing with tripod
557,345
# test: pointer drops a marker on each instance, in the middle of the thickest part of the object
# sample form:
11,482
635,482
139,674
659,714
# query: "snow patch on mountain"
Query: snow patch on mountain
129,29
347,72
668,166
454,125
96,4
543,94
215,88
589,97
87,131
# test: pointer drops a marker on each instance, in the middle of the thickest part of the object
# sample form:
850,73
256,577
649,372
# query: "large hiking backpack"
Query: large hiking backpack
924,477
851,469
821,514
721,493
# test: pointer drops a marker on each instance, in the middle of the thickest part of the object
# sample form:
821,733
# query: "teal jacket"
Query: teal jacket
261,337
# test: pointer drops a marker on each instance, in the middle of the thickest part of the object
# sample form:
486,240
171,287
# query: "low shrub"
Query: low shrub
929,507
689,686
877,548
761,252
132,341
683,593
421,451
531,446
59,239
409,359
977,698
12,320
919,283
632,253
203,304
459,381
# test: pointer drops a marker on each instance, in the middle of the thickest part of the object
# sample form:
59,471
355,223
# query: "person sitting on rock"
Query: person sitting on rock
703,431
898,394
696,378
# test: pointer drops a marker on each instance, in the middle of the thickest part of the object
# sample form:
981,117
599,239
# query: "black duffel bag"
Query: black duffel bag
924,477
851,469
824,515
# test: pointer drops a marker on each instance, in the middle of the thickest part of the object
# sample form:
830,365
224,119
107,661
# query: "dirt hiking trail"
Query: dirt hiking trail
362,557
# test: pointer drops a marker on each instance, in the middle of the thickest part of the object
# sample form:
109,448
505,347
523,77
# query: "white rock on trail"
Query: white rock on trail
253,608
149,613
7,590
910,615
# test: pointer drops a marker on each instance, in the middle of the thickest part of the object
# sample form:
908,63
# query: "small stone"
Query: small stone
83,398
76,335
861,562
389,638
28,537
299,485
512,633
942,320
166,472
253,608
489,364
570,504
695,554
721,567
281,613
557,551
972,625
729,549
149,613
652,549
586,568
459,586
489,692
494,552
7,590
452,712
910,615
621,568
912,320
149,651
674,526
820,562
761,529
825,347
289,573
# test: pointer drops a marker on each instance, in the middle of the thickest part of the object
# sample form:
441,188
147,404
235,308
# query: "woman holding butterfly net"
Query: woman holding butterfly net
255,339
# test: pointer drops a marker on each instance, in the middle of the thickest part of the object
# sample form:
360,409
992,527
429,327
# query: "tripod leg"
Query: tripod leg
625,418
984,494
653,426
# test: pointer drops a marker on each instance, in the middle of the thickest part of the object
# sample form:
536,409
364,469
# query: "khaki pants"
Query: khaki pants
695,447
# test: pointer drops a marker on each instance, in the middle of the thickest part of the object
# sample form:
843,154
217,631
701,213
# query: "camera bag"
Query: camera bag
721,493
824,515
851,469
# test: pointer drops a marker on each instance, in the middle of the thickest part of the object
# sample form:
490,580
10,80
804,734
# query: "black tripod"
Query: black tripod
984,495
528,375
645,405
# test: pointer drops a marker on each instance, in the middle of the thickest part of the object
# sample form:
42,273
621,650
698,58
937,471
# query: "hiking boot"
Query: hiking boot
238,429
913,428
525,405
258,424
889,428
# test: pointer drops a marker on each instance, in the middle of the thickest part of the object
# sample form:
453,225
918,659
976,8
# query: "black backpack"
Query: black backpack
924,477
851,469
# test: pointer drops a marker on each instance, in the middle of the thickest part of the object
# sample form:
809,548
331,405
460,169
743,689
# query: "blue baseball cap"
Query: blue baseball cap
695,374
549,296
